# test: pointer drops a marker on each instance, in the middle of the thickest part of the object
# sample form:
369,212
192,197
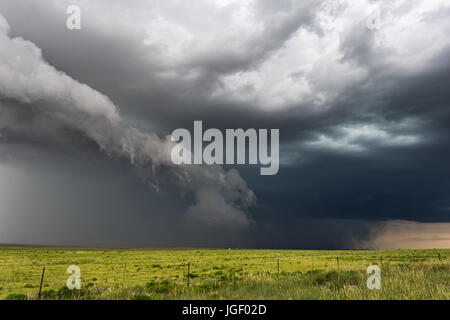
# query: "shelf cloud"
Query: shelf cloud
362,108
28,81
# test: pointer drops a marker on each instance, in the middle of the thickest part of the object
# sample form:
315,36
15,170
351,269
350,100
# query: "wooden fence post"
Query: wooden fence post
42,280
188,274
439,256
381,260
337,259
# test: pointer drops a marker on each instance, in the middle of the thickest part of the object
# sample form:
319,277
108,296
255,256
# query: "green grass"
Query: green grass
222,274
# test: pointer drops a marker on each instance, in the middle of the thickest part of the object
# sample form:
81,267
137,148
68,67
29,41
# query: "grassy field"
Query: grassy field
223,274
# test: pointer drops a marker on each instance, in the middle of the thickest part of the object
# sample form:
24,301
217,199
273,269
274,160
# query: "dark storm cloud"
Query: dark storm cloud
32,82
363,123
117,67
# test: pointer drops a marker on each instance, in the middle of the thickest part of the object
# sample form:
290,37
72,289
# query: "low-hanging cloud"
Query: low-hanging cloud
220,198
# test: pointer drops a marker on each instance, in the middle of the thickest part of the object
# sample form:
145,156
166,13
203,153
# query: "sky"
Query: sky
358,90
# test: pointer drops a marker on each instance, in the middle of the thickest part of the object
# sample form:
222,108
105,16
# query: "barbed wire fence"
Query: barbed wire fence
35,278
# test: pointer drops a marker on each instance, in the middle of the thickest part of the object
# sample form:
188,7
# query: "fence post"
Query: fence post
188,274
439,256
381,260
42,280
337,259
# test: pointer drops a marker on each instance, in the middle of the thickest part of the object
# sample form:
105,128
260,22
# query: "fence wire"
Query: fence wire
196,268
